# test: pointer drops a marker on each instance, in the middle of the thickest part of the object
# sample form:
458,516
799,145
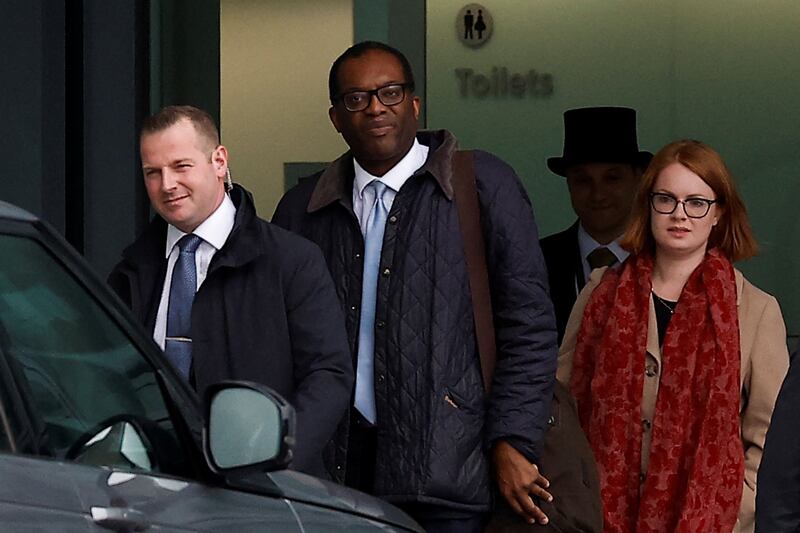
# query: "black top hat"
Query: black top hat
599,135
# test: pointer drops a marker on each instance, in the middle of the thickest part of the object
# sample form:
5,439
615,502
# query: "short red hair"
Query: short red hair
732,235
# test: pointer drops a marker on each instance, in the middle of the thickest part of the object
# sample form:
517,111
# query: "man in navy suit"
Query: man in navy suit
602,165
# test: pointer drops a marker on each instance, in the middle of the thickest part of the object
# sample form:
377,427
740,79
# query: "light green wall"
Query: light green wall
723,71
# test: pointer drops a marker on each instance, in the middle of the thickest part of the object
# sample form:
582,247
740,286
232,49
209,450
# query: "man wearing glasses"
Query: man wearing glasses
228,295
421,432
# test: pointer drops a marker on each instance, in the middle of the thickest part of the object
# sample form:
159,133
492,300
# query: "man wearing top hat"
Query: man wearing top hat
602,165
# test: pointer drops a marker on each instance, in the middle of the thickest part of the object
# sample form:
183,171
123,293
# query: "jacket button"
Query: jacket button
339,468
386,272
358,256
381,378
646,424
650,370
353,307
393,219
380,324
642,477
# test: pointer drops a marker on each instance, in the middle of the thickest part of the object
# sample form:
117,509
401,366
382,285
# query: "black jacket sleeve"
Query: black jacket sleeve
323,370
120,285
778,494
525,328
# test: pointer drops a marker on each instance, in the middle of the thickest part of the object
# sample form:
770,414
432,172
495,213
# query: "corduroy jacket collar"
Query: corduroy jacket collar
335,182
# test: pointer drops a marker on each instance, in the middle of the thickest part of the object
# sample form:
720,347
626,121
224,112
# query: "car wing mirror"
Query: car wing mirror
248,427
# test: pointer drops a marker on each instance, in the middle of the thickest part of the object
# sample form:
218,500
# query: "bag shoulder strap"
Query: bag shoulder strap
465,191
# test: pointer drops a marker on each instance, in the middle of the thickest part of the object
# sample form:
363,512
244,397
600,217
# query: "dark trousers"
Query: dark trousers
360,473
434,519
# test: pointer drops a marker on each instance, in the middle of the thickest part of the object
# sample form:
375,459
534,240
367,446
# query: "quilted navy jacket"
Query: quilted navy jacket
434,424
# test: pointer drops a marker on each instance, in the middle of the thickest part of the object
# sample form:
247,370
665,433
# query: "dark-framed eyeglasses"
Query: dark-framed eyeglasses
388,95
693,207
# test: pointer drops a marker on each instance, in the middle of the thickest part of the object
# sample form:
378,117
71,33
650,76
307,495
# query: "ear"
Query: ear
334,118
219,158
719,212
415,103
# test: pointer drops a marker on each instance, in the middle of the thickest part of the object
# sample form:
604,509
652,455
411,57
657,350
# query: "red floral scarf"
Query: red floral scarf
695,474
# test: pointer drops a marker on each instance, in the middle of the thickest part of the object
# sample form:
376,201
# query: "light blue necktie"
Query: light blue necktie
178,342
373,242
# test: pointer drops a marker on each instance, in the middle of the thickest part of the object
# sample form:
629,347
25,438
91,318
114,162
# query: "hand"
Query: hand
518,480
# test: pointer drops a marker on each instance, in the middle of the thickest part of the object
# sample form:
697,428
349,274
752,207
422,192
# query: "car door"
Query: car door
36,492
88,399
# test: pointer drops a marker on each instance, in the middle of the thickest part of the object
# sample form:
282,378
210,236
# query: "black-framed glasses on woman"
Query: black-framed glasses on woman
693,207
388,95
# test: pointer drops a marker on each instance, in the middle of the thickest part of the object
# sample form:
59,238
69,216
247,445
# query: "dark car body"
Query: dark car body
97,431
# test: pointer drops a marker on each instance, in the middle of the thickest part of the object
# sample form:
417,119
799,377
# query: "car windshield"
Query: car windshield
76,374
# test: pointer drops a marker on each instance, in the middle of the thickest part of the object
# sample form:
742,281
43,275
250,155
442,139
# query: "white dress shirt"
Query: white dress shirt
394,179
214,231
587,245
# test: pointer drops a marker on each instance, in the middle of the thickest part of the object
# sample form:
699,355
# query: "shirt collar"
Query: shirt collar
587,245
398,174
214,230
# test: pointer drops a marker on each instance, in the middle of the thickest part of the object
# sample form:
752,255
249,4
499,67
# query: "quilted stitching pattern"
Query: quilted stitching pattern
434,422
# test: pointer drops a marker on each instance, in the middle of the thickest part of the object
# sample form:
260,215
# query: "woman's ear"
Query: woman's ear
719,212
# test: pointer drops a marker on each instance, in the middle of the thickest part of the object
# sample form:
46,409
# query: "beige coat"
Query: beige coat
765,361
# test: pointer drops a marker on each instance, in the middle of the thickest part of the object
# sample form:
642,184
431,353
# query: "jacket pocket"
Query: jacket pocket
457,468
458,401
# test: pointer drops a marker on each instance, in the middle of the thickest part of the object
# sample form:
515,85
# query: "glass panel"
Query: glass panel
75,367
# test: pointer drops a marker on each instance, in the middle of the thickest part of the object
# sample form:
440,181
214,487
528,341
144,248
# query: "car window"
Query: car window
86,387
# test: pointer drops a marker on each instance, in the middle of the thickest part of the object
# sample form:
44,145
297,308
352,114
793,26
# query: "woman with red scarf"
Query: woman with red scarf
675,359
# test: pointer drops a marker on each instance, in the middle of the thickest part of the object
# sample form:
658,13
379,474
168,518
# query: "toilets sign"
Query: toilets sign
474,27
500,82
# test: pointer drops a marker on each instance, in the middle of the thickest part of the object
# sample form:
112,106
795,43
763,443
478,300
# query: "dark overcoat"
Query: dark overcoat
778,496
266,312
